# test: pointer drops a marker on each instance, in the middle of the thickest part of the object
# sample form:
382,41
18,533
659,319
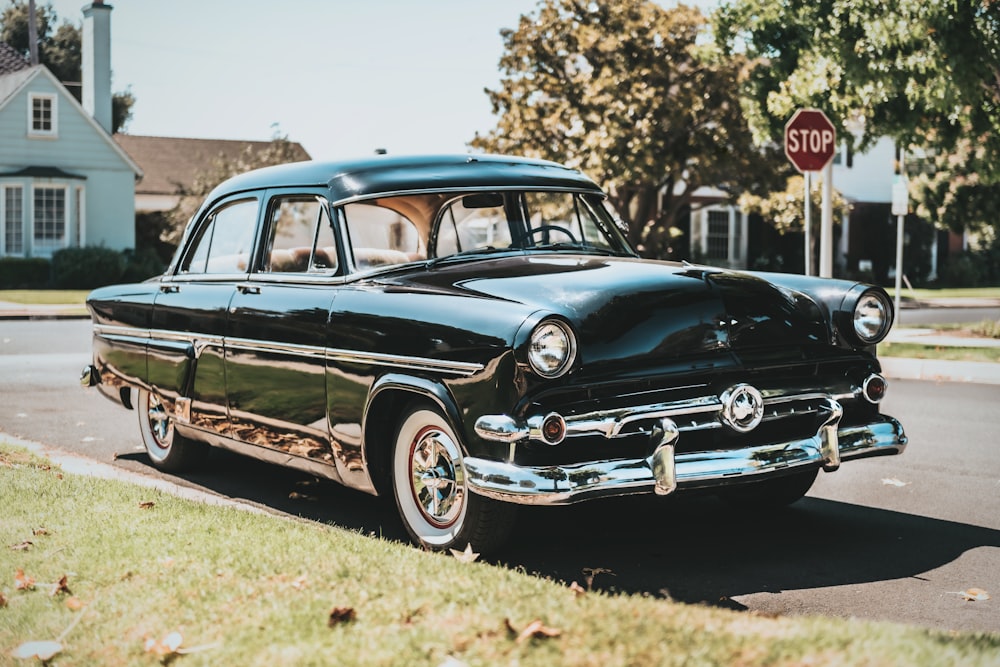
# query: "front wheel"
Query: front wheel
432,493
167,450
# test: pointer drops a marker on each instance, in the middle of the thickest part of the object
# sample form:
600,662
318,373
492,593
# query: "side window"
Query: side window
223,245
301,237
380,235
473,221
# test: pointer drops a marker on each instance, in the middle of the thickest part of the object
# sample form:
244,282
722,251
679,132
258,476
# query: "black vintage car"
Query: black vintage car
470,333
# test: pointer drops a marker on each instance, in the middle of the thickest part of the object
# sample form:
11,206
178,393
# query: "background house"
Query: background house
63,180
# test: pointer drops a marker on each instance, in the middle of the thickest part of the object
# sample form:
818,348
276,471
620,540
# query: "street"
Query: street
896,538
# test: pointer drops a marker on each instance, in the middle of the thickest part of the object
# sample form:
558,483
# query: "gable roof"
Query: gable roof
11,60
13,83
172,163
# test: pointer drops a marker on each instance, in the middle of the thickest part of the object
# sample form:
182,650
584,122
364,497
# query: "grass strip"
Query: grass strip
917,351
45,297
151,578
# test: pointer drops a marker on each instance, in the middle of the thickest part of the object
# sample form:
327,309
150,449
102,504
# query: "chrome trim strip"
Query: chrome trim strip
201,341
562,485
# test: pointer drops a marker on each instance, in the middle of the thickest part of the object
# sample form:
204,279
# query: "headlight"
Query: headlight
872,317
552,348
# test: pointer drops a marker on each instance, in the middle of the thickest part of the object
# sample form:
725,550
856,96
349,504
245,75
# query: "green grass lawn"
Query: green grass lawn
915,351
118,569
47,297
950,293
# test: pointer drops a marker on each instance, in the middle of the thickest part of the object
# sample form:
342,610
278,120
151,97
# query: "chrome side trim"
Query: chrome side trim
562,485
200,341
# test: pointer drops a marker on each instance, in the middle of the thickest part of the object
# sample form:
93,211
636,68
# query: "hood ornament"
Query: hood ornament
742,408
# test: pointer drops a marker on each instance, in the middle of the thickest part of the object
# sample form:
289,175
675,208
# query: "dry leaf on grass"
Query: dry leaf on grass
22,546
44,650
300,583
340,615
467,556
40,531
534,630
3,600
22,581
167,646
61,587
74,603
147,504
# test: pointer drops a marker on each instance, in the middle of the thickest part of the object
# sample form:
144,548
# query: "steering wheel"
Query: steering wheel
516,242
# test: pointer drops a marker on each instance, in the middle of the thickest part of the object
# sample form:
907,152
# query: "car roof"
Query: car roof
385,174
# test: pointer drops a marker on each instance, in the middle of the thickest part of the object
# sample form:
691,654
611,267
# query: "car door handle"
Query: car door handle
249,289
170,289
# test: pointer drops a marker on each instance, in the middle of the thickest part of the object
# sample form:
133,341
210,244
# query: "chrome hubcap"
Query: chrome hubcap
436,477
159,422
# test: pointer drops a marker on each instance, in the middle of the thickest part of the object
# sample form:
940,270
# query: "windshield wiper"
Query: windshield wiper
471,252
573,246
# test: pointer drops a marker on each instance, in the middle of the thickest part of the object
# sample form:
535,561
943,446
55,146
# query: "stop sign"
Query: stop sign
810,140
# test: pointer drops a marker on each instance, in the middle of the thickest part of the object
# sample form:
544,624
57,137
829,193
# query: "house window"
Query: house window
42,115
718,235
13,220
49,220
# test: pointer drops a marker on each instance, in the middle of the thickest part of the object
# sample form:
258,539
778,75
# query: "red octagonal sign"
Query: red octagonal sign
810,140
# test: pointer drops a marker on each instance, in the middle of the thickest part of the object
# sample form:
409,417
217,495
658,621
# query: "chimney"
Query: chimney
97,62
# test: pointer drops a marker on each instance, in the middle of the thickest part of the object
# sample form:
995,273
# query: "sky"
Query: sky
341,77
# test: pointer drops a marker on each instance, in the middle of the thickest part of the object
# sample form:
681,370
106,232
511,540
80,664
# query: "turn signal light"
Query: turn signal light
874,388
553,429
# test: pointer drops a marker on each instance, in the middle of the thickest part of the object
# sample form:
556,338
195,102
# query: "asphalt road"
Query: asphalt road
895,538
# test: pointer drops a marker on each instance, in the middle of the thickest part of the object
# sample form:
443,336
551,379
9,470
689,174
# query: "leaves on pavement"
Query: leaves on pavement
892,481
974,595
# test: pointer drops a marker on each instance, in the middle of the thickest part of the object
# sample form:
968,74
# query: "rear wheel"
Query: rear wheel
432,494
770,493
167,450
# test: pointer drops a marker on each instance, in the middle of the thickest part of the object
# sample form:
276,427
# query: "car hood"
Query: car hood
625,308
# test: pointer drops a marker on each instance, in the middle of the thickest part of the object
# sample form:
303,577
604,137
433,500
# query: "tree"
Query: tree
625,91
924,72
59,51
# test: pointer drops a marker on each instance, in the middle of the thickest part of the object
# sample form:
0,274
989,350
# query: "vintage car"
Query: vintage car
470,333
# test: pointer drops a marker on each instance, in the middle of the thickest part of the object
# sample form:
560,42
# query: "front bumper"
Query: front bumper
666,469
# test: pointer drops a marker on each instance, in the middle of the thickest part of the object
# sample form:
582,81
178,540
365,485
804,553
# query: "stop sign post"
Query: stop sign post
810,144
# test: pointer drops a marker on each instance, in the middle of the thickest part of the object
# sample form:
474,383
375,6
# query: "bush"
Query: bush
962,270
24,272
86,268
141,264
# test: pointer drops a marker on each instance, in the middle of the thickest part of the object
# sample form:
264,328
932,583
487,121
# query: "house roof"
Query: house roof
11,60
172,163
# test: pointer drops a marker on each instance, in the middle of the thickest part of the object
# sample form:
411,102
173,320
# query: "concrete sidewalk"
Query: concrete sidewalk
893,367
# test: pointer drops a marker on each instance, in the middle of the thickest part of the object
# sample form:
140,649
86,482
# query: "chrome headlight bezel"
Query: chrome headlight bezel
868,315
551,348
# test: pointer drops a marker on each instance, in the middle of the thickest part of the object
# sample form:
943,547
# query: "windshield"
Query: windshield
415,227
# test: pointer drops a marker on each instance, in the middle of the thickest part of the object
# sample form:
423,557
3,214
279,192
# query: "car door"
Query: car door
186,348
275,344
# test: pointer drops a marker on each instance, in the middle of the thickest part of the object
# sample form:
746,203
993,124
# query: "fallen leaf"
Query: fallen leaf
44,650
3,600
467,556
534,630
23,546
975,595
578,589
74,603
168,646
892,481
146,504
23,582
300,583
40,531
61,587
340,615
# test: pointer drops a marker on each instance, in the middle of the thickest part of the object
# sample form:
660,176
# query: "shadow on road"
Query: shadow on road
692,549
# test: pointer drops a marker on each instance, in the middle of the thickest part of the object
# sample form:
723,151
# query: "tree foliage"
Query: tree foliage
625,91
924,72
60,50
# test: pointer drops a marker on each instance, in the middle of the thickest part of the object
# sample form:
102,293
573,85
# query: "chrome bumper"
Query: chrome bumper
665,471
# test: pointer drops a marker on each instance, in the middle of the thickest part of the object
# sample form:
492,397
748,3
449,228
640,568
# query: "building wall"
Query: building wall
100,204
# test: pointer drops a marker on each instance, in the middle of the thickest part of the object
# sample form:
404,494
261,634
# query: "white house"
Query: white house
64,181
